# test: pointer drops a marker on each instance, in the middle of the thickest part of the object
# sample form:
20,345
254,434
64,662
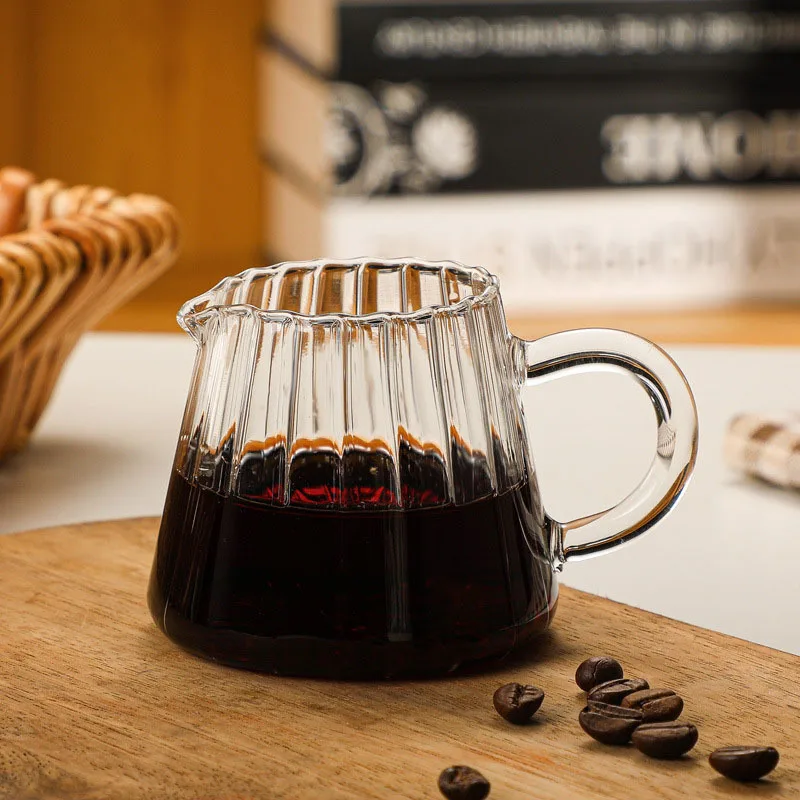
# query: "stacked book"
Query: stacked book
627,153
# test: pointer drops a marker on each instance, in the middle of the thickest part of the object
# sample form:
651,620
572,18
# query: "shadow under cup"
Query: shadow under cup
352,494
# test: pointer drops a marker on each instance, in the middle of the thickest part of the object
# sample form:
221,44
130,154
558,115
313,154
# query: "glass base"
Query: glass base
311,657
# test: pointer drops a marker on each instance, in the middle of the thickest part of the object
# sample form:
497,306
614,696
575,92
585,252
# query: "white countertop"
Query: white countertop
727,558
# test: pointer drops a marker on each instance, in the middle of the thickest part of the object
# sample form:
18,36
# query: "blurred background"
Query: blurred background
624,163
630,162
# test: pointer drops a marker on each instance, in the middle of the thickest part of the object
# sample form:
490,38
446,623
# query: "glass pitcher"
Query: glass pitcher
353,494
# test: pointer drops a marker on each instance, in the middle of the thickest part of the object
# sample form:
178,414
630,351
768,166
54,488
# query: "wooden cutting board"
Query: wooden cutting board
96,703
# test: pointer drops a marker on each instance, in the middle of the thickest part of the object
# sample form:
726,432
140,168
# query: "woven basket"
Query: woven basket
68,257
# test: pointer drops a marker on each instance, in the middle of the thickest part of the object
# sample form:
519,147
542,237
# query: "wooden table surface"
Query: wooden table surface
96,703
757,325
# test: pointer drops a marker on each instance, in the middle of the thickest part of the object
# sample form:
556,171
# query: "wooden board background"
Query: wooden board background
96,703
154,96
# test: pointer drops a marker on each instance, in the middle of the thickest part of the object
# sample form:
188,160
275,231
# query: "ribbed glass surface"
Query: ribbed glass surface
353,384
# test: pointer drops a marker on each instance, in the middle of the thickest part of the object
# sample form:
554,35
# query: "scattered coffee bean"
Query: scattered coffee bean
665,739
657,705
610,724
597,669
517,702
613,691
742,763
463,783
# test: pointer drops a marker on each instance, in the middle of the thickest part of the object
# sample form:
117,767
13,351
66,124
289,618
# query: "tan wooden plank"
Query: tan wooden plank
97,703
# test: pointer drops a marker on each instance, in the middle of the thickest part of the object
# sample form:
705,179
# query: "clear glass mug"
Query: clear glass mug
353,493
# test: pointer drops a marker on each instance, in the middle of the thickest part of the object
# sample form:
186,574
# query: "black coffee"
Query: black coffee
307,589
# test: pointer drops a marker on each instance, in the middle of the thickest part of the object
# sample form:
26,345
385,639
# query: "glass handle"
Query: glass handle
602,350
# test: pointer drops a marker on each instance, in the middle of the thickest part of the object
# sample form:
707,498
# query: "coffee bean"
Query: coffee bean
597,669
657,705
463,783
665,739
743,763
613,691
517,702
610,724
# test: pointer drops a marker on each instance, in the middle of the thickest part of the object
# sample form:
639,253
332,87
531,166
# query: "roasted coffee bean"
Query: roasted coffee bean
597,669
463,783
743,763
665,739
610,724
613,691
657,705
517,702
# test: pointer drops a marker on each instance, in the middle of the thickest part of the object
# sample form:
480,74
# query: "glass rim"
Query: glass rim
209,302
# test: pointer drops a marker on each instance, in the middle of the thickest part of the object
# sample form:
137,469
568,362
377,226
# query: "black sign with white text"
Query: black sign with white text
454,41
513,135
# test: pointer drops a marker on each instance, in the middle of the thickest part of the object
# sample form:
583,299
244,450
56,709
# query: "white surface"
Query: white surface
104,448
726,558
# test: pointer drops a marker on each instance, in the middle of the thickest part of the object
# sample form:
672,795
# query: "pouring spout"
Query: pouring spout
194,315
231,295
